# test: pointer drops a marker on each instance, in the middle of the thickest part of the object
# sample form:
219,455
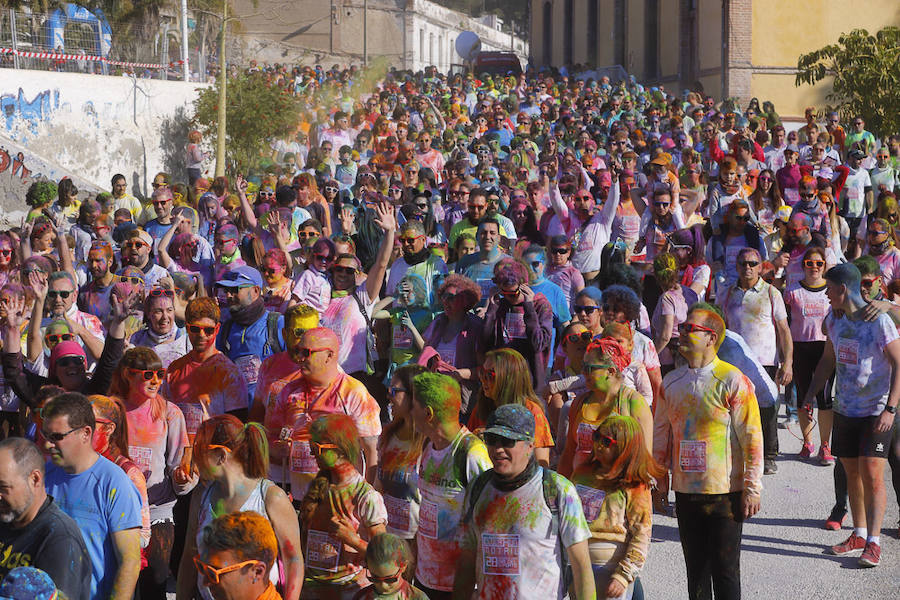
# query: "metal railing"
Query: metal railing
80,41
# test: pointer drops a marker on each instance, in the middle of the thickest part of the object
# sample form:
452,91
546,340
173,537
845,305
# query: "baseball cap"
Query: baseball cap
857,154
240,276
65,349
512,421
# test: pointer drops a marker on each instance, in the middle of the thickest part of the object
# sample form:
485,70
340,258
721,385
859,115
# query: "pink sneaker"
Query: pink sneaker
825,457
808,450
871,555
851,544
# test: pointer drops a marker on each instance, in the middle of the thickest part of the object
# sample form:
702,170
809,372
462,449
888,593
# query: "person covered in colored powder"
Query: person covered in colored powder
240,548
604,362
452,457
615,494
387,560
399,449
521,522
339,512
716,462
319,387
233,458
865,356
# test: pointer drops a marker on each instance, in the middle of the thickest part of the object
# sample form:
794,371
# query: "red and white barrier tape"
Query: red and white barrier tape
59,56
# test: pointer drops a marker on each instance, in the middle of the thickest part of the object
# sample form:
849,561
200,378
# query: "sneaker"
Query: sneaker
807,450
825,457
871,555
835,522
851,544
770,467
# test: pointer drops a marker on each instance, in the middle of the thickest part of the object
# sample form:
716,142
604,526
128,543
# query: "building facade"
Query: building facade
410,34
728,48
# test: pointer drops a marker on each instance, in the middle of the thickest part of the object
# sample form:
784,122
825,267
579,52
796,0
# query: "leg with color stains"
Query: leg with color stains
152,580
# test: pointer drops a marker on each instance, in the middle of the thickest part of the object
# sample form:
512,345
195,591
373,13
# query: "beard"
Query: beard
10,515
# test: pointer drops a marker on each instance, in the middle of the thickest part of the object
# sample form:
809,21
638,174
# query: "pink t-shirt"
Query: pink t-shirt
205,389
672,302
808,308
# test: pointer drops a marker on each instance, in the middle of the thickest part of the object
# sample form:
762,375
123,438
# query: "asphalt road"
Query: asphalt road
783,551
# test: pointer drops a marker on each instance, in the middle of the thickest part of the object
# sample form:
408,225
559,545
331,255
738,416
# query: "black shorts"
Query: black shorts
853,437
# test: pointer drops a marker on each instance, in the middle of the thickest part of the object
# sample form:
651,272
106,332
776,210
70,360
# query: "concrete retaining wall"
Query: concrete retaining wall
90,127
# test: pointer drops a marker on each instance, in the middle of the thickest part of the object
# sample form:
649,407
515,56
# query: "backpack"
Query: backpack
272,345
551,493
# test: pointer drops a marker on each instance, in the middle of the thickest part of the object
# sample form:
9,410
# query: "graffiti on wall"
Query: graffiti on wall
15,106
17,163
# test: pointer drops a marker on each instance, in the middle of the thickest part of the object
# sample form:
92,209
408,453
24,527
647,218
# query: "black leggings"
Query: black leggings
806,359
152,580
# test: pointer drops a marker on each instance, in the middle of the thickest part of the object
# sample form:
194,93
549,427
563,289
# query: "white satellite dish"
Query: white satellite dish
468,45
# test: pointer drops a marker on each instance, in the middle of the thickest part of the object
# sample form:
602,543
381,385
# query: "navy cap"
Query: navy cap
241,276
512,421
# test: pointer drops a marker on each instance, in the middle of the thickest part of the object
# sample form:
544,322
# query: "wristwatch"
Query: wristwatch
891,409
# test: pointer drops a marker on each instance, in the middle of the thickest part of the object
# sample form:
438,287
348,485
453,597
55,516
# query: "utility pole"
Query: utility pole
220,126
185,52
365,33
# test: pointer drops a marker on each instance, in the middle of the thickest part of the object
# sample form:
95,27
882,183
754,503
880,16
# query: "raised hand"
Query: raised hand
385,216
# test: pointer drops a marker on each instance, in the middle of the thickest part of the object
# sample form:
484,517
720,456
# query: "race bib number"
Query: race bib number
402,338
814,309
141,456
249,367
631,226
514,324
585,244
193,416
398,513
323,551
692,456
428,525
302,460
591,501
500,553
853,193
585,438
848,352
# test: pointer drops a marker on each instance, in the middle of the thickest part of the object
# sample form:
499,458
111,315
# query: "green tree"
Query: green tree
866,79
257,112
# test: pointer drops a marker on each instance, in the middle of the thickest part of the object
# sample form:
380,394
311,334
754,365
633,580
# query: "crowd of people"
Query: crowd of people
459,337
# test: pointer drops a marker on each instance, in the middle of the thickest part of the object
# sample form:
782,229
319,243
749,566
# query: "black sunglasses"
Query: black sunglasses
59,294
492,439
585,309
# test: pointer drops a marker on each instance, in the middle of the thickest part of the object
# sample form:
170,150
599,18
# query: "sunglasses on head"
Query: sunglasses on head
59,294
55,338
498,441
148,374
584,336
212,574
818,264
206,329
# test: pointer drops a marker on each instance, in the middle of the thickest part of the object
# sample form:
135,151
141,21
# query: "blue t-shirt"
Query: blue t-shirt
102,500
247,347
156,230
